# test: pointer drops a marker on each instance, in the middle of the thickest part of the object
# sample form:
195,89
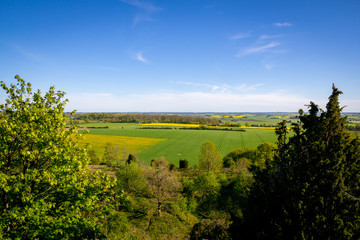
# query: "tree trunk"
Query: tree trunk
159,208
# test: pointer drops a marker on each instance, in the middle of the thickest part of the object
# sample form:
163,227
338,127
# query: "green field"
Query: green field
184,144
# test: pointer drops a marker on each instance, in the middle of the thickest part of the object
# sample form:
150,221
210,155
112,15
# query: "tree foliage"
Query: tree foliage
131,178
250,158
111,154
210,158
164,185
46,190
311,190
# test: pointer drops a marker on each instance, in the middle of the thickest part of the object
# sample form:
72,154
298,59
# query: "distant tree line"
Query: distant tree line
142,118
354,128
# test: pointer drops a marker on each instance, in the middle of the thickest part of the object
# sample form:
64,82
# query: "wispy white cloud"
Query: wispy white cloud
210,86
266,37
141,4
283,24
187,102
147,8
258,49
246,88
139,57
224,88
268,66
240,36
268,63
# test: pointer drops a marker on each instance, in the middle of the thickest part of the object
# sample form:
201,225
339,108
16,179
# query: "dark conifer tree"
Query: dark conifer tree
312,189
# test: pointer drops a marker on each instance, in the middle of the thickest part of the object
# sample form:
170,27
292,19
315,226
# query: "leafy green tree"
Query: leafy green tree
210,158
206,191
131,178
164,185
232,157
241,165
234,193
265,152
111,154
228,162
46,189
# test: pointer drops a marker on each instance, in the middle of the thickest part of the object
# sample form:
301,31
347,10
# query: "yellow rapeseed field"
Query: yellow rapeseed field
196,125
132,144
171,125
258,127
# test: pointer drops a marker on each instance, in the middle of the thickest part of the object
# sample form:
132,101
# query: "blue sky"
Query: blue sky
182,55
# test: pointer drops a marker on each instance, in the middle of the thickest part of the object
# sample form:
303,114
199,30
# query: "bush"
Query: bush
118,225
94,159
172,167
210,229
131,159
228,162
183,163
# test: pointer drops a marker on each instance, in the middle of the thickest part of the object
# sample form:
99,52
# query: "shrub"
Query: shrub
172,167
183,163
131,159
210,229
94,159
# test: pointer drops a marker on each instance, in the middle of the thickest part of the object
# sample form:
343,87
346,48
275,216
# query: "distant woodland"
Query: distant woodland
307,186
142,118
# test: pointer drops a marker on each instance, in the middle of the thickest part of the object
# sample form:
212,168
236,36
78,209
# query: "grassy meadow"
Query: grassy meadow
173,144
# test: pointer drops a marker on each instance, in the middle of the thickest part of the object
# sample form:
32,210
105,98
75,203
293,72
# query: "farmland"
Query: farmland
127,144
173,141
178,144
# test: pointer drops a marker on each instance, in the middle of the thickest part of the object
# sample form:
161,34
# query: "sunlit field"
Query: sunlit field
178,144
196,125
125,143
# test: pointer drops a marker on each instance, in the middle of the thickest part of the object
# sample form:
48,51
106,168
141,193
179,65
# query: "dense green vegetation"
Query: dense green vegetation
307,186
46,190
